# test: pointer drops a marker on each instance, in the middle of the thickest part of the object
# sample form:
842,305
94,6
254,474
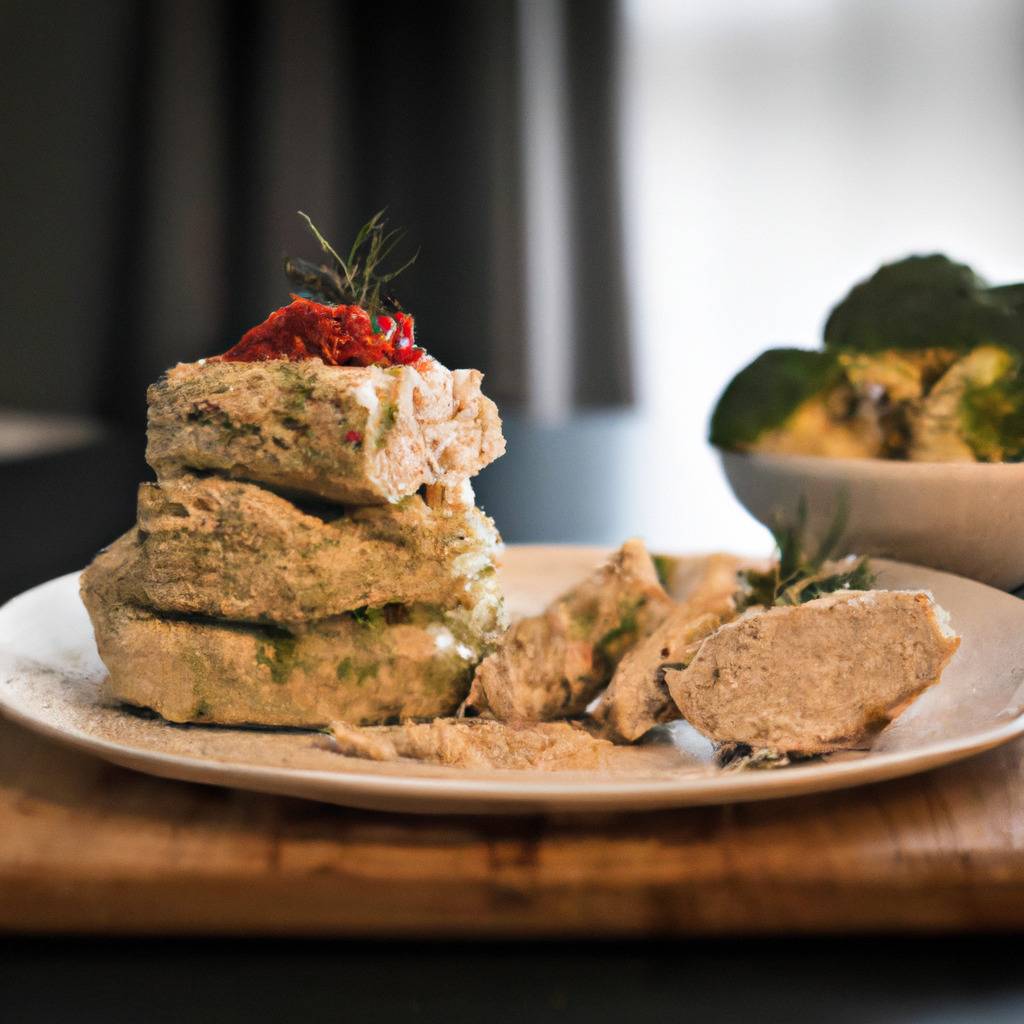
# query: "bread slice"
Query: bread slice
372,667
347,434
826,675
232,550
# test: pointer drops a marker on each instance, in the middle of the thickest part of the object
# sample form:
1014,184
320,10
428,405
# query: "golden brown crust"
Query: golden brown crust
235,551
361,669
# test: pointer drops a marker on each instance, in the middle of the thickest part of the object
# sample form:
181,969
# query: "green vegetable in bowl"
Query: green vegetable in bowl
1010,295
763,395
926,302
990,411
922,361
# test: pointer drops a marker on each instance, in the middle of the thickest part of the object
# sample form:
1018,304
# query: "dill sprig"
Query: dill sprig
357,279
799,574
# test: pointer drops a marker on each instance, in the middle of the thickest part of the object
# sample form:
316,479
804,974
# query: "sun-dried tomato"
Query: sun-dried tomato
339,335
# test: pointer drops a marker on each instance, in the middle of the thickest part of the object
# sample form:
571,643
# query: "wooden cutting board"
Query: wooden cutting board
87,847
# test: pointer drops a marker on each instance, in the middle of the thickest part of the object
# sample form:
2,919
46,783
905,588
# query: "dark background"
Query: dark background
772,981
158,153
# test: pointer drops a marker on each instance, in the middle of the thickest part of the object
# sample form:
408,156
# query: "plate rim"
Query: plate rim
531,791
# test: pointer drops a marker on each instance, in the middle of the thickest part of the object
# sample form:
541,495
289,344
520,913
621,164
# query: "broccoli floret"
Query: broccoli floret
1010,295
926,302
974,411
992,418
763,395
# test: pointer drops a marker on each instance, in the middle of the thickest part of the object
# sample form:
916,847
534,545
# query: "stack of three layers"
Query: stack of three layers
286,568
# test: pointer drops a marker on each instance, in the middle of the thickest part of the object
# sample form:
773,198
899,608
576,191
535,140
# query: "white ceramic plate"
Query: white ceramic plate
50,675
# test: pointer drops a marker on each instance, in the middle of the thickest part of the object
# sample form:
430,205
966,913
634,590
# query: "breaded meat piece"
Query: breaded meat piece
637,698
347,434
372,666
812,678
552,665
233,550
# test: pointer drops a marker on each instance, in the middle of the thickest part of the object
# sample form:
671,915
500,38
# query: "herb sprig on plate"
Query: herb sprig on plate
800,573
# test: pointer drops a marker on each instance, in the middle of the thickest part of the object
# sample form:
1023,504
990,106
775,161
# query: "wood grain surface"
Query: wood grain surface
87,847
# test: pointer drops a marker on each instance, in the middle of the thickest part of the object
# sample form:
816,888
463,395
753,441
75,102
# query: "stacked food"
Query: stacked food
923,361
311,555
311,550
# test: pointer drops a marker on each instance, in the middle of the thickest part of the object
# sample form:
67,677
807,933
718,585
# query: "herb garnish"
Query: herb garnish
799,575
357,280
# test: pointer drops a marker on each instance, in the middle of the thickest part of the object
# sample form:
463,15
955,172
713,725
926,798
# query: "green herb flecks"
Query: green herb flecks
799,574
370,618
664,565
358,279
350,671
617,640
388,418
277,651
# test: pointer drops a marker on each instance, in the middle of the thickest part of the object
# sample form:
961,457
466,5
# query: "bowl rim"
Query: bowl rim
815,464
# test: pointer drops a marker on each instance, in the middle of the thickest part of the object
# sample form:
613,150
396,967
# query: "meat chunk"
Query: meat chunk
478,743
552,665
637,698
822,676
235,551
373,666
346,434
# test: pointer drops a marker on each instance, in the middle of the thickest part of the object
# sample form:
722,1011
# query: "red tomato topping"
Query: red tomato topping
339,335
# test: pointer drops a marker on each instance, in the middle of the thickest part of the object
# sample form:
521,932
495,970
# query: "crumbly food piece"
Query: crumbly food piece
637,698
826,675
347,434
233,550
552,665
374,666
478,744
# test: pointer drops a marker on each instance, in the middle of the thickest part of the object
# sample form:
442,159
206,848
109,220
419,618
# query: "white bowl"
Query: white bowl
966,518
